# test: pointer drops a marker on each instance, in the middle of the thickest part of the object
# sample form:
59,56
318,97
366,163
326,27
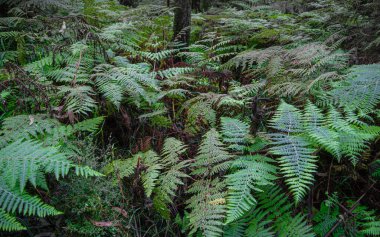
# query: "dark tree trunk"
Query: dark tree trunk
4,8
196,5
129,3
182,21
168,3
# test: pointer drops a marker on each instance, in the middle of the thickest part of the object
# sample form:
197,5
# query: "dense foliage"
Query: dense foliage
260,118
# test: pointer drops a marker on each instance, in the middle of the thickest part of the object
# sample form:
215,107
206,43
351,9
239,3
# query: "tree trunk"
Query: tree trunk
196,5
129,3
182,21
4,8
168,3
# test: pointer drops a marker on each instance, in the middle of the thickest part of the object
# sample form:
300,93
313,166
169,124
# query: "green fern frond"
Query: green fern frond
175,71
361,89
297,159
235,133
131,79
207,207
273,216
20,161
79,99
150,175
252,172
297,162
168,183
287,119
212,157
26,126
123,168
158,56
9,223
12,201
172,150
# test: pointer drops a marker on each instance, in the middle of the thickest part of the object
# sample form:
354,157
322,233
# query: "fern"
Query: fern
12,201
235,133
252,172
208,195
273,217
248,172
23,160
115,82
41,126
79,99
212,157
206,205
149,177
361,89
175,71
20,161
162,174
171,179
363,222
9,223
297,160
305,131
26,126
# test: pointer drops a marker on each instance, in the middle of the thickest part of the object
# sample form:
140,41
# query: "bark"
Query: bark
4,8
196,5
129,3
182,21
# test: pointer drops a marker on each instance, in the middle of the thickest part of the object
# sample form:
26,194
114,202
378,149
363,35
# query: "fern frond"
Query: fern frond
9,223
12,201
252,172
172,150
79,99
206,215
212,157
150,175
297,160
175,71
361,89
89,125
25,127
21,160
234,133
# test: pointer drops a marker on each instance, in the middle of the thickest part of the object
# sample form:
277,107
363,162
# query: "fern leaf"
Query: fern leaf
212,156
252,172
9,223
296,155
150,175
234,133
12,201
